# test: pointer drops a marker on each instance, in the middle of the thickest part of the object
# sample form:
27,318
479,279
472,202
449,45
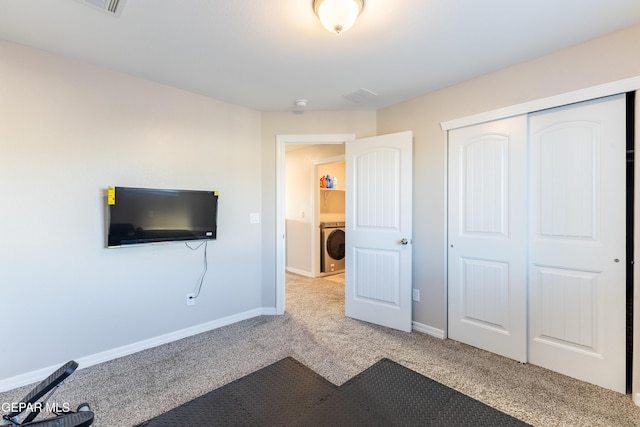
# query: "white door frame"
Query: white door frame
281,142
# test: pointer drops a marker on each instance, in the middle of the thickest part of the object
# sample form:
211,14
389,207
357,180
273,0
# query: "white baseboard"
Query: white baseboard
300,272
271,311
104,356
429,330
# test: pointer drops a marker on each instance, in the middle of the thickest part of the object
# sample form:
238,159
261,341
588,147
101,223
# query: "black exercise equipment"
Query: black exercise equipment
24,412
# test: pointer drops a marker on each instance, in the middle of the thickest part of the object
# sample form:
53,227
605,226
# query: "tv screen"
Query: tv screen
145,215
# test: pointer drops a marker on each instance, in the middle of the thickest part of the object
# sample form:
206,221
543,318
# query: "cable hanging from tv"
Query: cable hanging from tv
198,287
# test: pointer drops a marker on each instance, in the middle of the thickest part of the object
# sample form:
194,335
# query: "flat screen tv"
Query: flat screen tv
146,215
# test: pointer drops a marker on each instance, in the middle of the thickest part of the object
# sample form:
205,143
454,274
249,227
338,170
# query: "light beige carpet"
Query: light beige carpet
337,278
315,331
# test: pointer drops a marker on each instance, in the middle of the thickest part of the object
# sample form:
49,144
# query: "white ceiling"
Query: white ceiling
265,54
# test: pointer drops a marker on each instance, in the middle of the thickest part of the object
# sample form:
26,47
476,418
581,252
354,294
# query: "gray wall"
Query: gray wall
68,131
603,60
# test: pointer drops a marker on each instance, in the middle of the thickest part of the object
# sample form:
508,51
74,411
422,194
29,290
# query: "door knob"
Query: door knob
404,241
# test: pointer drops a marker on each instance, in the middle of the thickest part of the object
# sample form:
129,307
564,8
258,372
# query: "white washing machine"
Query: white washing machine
332,251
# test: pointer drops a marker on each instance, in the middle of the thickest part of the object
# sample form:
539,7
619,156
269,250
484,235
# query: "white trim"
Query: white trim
300,272
281,227
445,225
606,89
281,141
94,359
429,330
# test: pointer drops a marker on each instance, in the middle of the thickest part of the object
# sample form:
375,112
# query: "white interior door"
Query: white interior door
379,230
577,232
487,236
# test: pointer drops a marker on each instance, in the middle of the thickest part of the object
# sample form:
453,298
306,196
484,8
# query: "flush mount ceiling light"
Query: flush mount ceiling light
338,16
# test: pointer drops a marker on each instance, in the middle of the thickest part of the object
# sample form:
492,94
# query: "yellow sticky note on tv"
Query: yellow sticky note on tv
111,196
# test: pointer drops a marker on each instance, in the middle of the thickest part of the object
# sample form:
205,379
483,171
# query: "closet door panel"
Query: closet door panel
577,241
487,236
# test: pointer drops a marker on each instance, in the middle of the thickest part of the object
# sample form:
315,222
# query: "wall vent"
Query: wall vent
113,7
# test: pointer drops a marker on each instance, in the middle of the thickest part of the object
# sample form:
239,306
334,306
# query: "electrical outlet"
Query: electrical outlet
191,299
416,295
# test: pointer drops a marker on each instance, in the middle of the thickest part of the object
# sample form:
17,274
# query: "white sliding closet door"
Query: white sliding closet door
577,241
537,239
487,236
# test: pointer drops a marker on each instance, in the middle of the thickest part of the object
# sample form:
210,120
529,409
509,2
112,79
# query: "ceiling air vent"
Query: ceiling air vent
113,7
360,95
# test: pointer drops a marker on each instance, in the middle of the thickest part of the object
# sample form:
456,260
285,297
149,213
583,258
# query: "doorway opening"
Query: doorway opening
330,201
378,199
300,217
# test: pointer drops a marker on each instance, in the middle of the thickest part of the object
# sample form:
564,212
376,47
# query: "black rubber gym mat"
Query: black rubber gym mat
288,393
279,394
403,397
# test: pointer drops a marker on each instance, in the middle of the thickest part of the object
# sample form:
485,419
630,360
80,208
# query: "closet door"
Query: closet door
487,236
577,241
